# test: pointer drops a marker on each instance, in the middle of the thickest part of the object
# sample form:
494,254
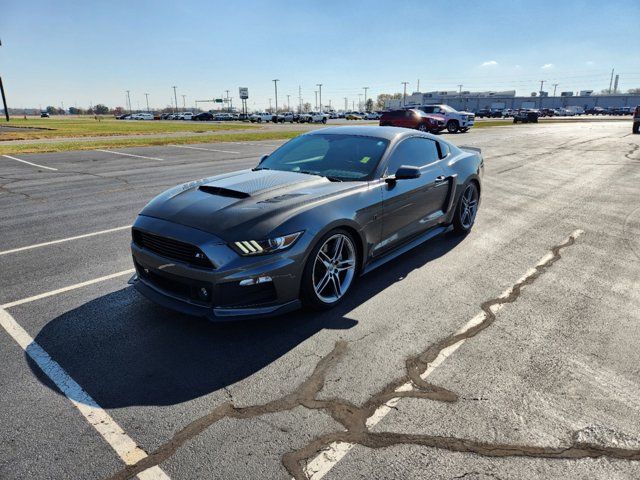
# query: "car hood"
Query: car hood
247,202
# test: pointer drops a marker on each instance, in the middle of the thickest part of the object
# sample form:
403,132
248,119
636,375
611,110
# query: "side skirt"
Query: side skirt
435,231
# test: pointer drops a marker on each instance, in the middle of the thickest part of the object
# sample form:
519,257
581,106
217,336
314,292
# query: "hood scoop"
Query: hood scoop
223,192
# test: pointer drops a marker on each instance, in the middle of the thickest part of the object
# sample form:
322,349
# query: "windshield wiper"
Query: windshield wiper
328,177
255,169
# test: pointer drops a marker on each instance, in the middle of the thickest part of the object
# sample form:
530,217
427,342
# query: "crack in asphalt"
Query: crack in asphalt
353,418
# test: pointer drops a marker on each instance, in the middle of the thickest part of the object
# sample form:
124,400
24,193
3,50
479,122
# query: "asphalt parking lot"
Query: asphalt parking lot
522,335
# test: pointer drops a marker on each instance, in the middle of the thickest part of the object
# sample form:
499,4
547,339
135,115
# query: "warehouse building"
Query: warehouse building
474,101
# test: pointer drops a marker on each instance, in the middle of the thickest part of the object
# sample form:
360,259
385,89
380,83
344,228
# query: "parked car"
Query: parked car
285,117
203,117
547,112
636,120
260,117
314,117
143,116
413,118
507,113
46,115
454,120
372,116
302,225
483,112
525,116
353,116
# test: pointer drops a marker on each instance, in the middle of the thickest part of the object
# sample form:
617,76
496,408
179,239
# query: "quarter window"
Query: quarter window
413,152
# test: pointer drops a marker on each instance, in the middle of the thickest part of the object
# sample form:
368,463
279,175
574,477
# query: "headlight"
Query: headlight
261,247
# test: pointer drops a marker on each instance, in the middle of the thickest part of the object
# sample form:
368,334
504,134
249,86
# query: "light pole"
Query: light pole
147,97
316,104
175,97
346,104
365,97
184,102
4,99
275,85
404,95
288,103
319,85
555,85
129,100
541,87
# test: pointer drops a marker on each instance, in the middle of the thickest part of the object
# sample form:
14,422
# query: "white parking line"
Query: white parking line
67,289
30,163
328,458
130,155
68,239
100,420
205,149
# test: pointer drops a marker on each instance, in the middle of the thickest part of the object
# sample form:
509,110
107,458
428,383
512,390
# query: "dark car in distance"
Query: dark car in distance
300,227
525,116
413,118
203,117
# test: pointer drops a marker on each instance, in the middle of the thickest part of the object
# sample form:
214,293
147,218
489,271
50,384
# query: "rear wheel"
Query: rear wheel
466,210
452,126
324,120
330,270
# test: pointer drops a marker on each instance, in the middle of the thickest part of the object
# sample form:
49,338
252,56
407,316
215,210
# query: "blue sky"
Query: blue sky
79,52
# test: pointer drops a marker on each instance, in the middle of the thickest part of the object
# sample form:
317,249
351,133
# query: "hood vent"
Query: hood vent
282,198
223,192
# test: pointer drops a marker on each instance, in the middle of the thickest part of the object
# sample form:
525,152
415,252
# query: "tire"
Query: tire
464,130
322,296
324,120
466,209
423,128
515,120
636,127
259,120
452,126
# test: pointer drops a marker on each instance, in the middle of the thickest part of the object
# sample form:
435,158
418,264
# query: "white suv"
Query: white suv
261,117
453,119
314,117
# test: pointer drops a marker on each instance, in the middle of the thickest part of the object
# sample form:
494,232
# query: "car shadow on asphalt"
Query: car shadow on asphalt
126,351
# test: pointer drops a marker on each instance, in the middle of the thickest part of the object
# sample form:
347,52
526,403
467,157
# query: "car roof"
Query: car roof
388,133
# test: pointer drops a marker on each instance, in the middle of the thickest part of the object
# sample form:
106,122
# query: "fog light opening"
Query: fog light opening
255,281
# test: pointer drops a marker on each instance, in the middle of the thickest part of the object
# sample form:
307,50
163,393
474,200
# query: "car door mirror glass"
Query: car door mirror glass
407,172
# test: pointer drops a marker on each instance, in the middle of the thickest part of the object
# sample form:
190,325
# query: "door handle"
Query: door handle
440,179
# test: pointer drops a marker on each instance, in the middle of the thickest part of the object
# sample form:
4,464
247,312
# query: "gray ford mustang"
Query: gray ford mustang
301,226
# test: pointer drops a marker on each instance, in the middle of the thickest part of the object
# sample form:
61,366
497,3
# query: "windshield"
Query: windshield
338,157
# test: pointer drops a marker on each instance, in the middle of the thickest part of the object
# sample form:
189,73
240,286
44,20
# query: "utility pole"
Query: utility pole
611,81
365,97
316,104
404,95
555,85
175,97
4,99
128,100
147,97
275,85
319,85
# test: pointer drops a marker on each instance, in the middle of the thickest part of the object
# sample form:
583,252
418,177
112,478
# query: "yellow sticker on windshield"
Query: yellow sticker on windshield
365,159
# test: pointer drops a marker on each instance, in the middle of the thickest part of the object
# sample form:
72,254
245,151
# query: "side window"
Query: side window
413,152
444,149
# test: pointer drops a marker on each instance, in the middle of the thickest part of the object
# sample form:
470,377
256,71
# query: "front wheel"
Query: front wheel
330,270
422,127
324,120
452,126
466,210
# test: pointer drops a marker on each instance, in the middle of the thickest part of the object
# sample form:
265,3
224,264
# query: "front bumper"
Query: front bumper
216,293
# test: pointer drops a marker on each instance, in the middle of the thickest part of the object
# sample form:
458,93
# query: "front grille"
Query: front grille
169,248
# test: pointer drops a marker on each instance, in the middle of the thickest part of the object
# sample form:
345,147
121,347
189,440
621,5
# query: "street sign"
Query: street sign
244,93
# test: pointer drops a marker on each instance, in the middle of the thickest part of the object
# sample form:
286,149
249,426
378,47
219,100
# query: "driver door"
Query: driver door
412,206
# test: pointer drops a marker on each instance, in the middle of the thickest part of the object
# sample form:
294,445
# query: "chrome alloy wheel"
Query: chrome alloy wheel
469,206
334,268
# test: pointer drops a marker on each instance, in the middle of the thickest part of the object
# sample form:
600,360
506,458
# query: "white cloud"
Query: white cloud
547,66
489,63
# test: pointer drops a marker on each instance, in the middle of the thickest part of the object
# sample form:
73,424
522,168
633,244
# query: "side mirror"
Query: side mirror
406,172
263,158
